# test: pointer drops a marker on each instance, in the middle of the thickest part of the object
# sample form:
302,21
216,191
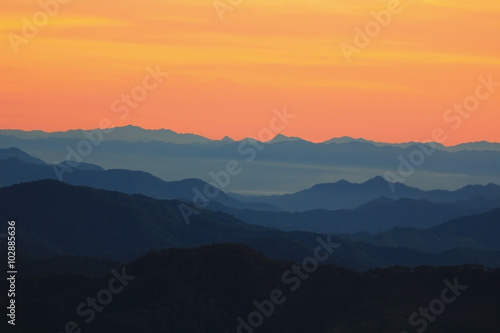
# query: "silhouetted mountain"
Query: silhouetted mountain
63,219
483,228
7,153
221,288
281,167
346,139
54,218
343,194
136,133
331,196
138,182
375,216
480,231
81,166
282,138
124,133
13,171
479,145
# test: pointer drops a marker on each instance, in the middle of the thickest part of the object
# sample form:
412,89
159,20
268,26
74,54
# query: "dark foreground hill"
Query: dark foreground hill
230,288
54,218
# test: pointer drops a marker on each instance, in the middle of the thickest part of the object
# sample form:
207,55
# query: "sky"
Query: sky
391,71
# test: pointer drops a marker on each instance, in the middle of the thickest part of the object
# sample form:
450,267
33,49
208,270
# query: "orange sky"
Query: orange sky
227,76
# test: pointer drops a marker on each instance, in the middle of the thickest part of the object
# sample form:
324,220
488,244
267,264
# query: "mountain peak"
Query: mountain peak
131,127
346,139
282,138
342,183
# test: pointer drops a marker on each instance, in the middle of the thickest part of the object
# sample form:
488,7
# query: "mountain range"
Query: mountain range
53,218
379,215
135,133
125,133
14,170
211,273
344,194
17,166
341,207
286,165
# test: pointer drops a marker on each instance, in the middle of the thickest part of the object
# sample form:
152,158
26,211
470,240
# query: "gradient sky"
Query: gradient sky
226,76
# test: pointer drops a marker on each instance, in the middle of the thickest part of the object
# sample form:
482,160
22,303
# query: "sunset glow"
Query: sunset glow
226,76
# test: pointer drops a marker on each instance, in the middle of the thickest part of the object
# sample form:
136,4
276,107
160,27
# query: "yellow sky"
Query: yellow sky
226,76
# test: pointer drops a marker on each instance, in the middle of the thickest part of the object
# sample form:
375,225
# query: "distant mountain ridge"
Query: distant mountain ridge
478,145
268,167
344,194
137,133
124,133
